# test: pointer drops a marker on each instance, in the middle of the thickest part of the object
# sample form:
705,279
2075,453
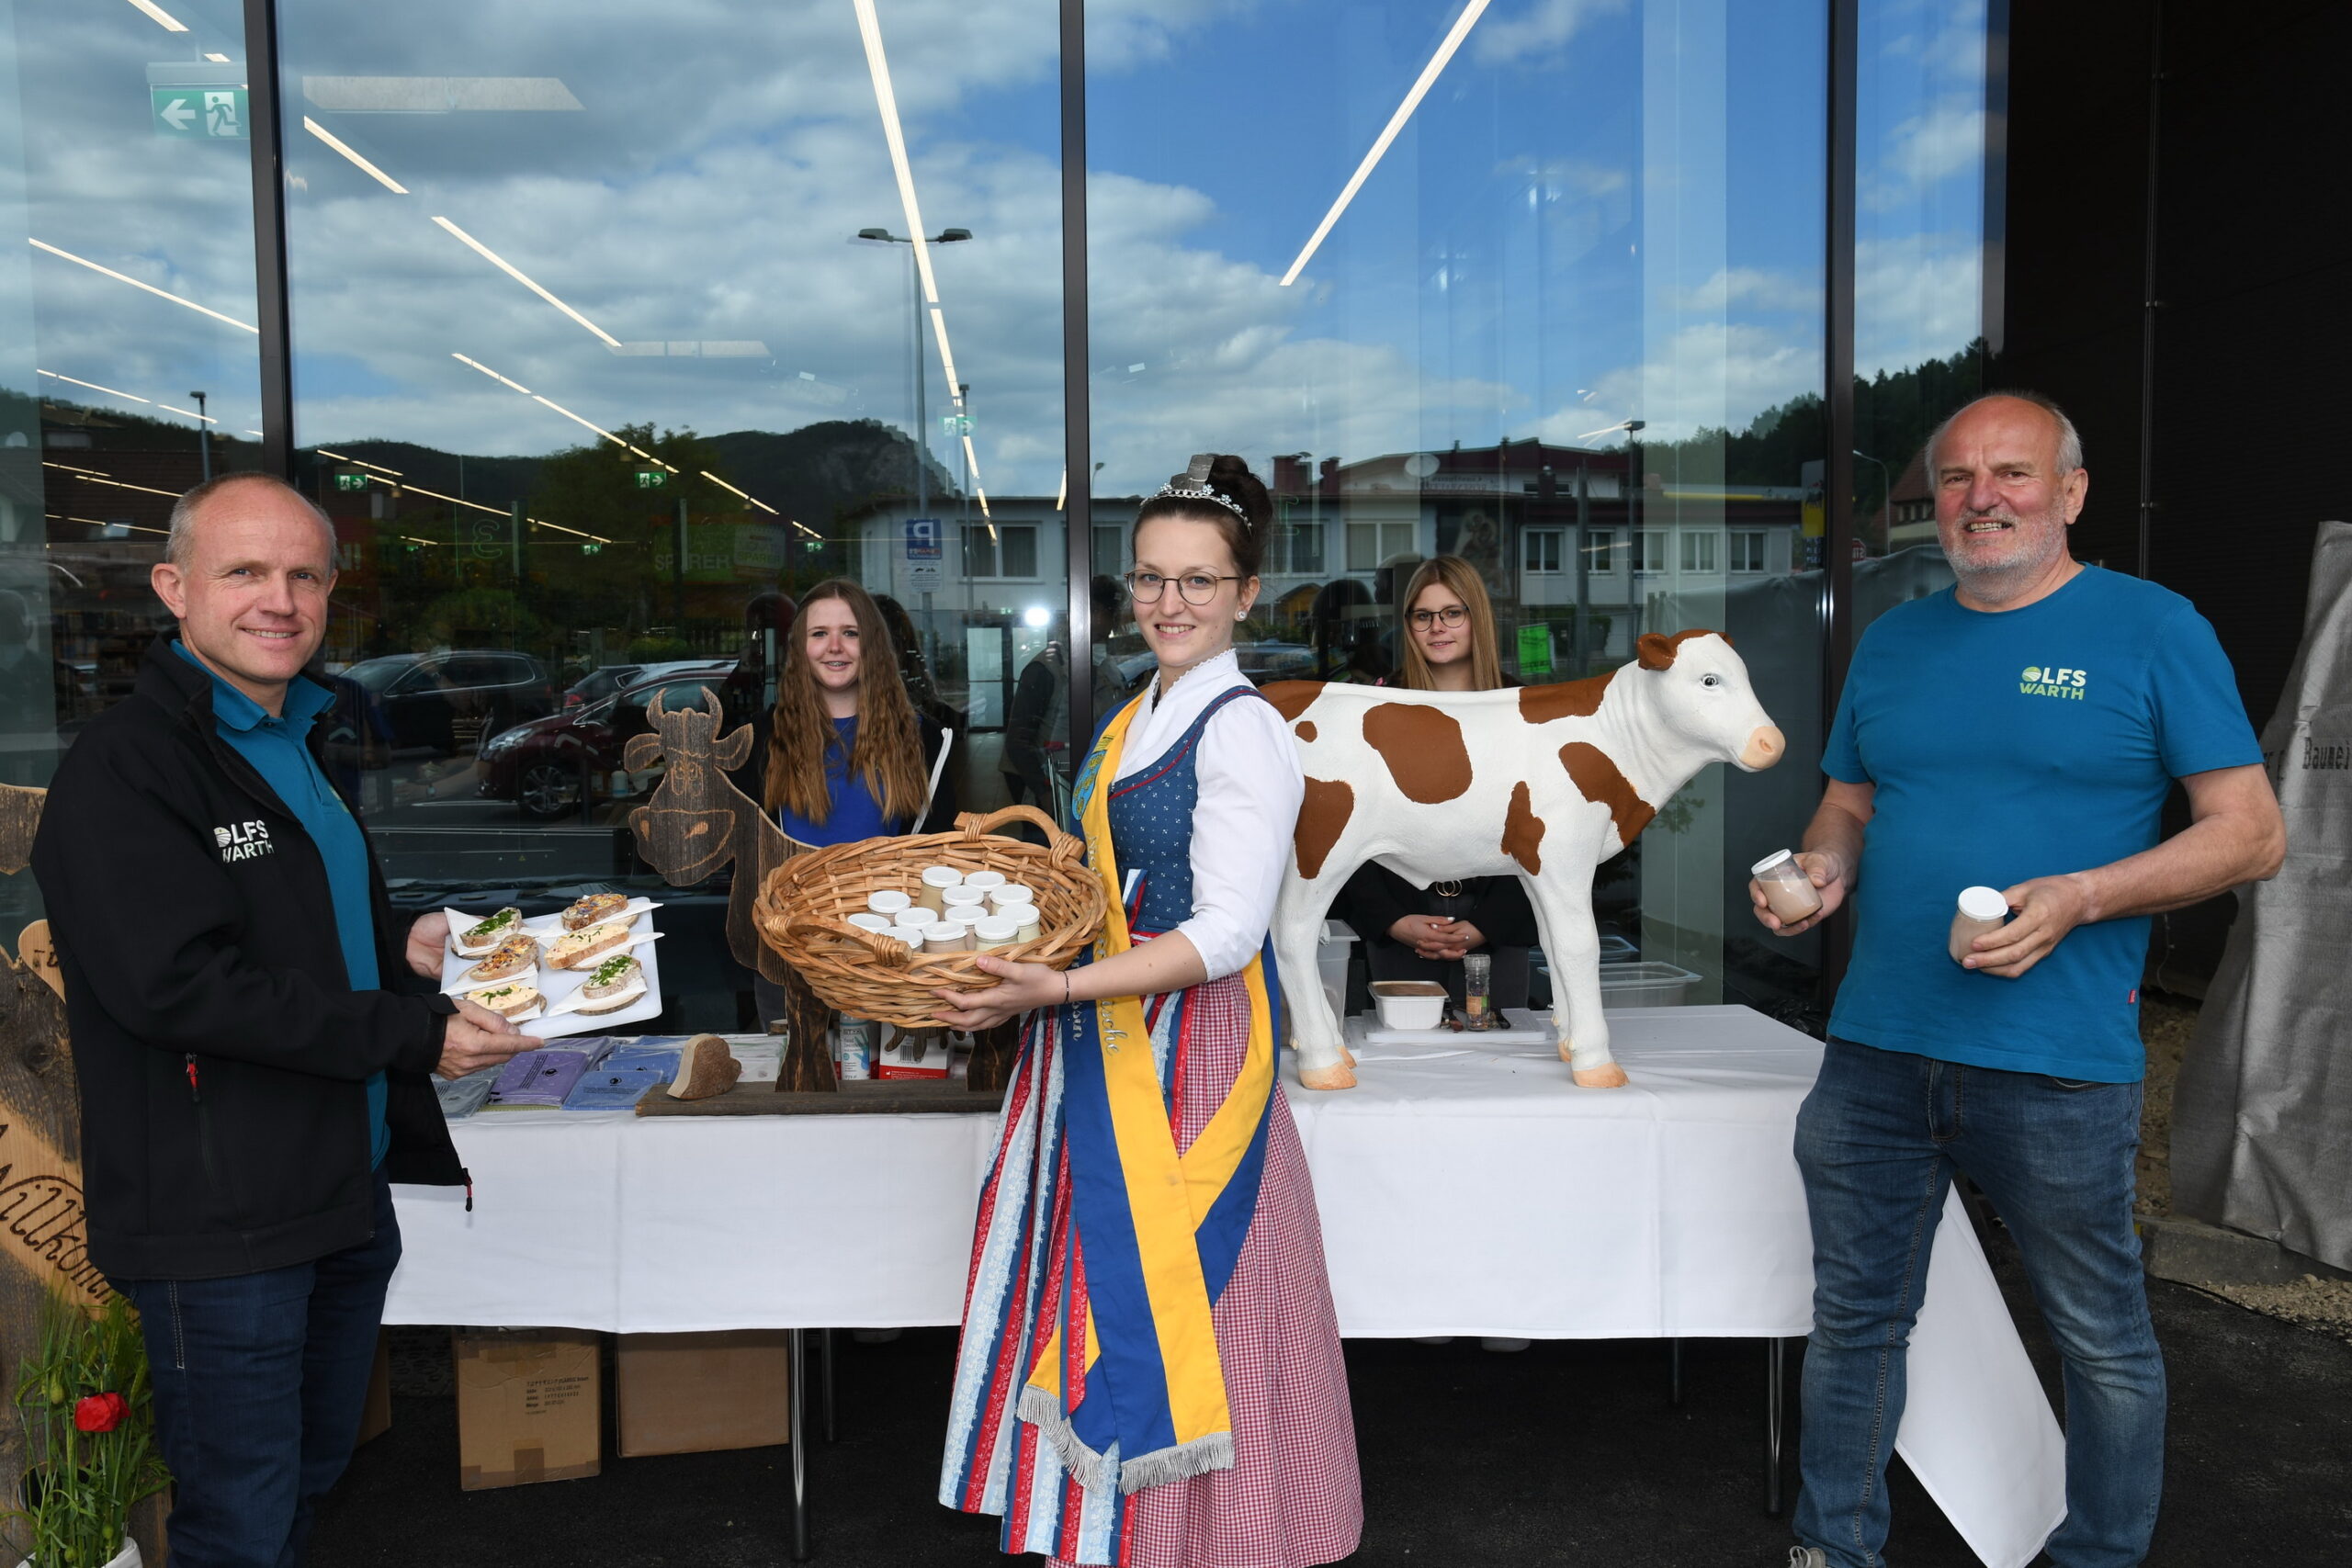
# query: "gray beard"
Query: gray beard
1999,584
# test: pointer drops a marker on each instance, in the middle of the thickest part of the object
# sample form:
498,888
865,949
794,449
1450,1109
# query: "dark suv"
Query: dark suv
446,705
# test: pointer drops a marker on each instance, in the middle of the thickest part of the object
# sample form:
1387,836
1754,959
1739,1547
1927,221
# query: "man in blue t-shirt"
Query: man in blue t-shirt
2018,732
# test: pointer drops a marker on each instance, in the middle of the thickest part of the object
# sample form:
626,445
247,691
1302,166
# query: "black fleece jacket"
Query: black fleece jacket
221,1054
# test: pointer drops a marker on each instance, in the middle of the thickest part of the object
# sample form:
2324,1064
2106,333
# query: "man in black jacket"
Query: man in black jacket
249,1033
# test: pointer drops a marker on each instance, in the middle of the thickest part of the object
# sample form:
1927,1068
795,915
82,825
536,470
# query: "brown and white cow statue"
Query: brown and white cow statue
1541,781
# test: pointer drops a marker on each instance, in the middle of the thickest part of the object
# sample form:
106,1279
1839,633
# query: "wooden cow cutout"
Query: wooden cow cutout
1543,782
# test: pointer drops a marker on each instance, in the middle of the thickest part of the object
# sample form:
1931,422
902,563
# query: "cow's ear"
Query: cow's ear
1656,652
640,753
730,751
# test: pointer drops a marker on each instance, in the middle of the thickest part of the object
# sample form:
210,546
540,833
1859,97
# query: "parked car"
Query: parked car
446,705
547,765
608,678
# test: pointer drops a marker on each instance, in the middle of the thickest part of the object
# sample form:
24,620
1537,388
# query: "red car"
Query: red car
551,766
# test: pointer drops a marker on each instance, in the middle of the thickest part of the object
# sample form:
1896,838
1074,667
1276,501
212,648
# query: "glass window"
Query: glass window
1110,549
1747,549
612,420
1699,552
1007,549
130,365
1575,297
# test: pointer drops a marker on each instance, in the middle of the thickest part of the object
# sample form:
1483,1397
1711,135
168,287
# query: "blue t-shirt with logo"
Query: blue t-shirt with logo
2008,745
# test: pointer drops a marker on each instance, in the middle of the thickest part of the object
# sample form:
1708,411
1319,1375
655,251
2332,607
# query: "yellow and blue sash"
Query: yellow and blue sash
1154,1233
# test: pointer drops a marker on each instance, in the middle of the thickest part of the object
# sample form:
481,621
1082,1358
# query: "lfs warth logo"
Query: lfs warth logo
2045,680
243,842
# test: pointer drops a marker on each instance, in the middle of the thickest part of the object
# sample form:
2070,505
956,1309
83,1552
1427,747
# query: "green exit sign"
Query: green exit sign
653,478
199,113
350,479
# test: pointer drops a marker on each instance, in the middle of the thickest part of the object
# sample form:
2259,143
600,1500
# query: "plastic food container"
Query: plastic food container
958,896
1789,893
936,880
983,879
1410,1004
912,935
992,934
889,903
947,936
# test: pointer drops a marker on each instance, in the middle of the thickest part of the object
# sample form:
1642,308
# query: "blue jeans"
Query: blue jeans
1878,1141
260,1384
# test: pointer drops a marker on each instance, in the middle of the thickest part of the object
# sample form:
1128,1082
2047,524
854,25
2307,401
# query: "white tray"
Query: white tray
558,985
1525,1029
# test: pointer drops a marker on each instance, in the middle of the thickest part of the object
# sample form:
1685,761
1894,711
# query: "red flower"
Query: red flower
100,1413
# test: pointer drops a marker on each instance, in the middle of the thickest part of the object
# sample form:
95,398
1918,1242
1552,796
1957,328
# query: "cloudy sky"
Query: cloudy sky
1603,210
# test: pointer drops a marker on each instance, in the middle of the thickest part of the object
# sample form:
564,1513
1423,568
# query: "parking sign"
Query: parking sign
922,538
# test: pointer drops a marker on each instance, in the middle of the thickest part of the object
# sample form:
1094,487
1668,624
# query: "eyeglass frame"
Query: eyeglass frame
1450,616
1138,596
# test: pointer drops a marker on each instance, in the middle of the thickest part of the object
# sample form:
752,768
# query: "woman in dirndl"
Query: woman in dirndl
1150,1373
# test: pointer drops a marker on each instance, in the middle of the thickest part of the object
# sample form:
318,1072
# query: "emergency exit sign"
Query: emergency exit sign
199,114
652,478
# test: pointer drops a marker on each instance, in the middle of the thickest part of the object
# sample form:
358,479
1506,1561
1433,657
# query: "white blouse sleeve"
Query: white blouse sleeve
1250,786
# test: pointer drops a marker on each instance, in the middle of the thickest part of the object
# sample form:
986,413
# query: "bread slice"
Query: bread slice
484,936
593,910
509,958
705,1066
577,950
618,981
516,1001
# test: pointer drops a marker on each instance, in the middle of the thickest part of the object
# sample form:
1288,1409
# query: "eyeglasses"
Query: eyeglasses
1452,616
1195,587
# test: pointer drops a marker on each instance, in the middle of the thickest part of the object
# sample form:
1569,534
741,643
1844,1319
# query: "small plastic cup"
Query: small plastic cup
1789,893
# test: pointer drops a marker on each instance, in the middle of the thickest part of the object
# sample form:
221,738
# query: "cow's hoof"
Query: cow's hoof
1347,1056
1608,1075
1338,1074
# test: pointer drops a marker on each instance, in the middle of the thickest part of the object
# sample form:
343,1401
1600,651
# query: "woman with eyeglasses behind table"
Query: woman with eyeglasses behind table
1412,933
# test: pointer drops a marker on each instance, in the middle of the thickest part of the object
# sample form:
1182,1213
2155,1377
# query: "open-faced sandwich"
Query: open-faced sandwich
594,910
577,950
517,1001
617,982
480,938
509,958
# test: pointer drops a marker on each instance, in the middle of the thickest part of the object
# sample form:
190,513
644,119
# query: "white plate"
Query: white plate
545,927
559,985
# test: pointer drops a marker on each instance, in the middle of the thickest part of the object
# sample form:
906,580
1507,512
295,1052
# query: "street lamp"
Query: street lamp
1886,478
203,434
914,285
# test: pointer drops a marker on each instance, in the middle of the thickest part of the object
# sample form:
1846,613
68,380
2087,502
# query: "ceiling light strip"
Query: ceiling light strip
754,499
118,484
1460,31
869,27
502,264
946,356
160,17
329,137
491,374
122,278
110,391
359,462
972,467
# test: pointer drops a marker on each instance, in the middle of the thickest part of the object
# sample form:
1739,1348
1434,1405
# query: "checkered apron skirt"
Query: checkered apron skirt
1292,1497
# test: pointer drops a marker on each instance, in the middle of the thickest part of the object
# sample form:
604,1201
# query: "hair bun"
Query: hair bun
1229,476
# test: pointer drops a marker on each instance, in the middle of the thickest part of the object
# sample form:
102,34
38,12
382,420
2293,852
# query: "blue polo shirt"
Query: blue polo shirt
277,748
2008,745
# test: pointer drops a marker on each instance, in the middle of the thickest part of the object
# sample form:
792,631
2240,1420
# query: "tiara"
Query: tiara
1198,492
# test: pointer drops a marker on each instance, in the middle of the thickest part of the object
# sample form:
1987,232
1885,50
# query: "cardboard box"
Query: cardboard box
530,1405
688,1393
376,1416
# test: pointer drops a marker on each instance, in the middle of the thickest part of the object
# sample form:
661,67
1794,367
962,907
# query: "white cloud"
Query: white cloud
1754,287
1707,374
1542,29
1944,139
1917,296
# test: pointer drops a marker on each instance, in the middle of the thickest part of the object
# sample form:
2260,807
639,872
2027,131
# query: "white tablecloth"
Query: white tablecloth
1463,1191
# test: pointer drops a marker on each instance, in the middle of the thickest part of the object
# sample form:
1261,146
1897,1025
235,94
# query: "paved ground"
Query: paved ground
1570,1453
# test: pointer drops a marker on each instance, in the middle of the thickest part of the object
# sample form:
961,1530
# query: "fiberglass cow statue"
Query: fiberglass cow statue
1543,782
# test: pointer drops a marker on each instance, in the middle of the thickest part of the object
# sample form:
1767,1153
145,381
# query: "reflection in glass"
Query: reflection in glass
1565,326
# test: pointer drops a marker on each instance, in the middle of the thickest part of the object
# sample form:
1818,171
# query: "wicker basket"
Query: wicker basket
803,913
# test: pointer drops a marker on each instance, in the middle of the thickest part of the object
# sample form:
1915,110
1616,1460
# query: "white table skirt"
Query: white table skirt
1462,1192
